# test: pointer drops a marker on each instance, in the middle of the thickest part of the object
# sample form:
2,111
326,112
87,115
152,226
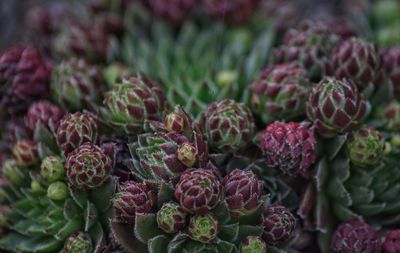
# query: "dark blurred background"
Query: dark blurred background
13,13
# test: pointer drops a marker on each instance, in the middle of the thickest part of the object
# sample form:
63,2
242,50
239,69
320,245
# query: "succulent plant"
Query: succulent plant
365,146
357,60
221,67
391,66
76,85
175,12
335,107
161,226
43,114
343,28
391,243
133,198
57,191
24,78
253,244
278,224
171,218
228,125
87,167
203,228
291,147
76,129
280,91
243,193
354,237
166,150
12,172
198,191
25,153
391,116
131,102
311,45
90,40
78,242
52,168
42,221
236,11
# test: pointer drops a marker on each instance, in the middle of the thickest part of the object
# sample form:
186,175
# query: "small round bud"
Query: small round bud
174,122
36,186
78,242
57,191
226,78
25,153
171,218
253,244
203,228
52,168
187,154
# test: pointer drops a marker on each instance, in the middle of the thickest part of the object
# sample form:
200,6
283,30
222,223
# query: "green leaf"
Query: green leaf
101,196
17,242
226,247
344,213
334,145
80,197
97,235
124,235
71,209
158,244
248,230
222,213
177,244
90,215
229,232
69,227
146,227
165,194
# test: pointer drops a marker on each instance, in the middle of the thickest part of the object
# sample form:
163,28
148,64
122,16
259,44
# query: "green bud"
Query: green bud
395,141
113,72
12,172
388,148
226,78
203,228
36,186
187,154
52,168
57,191
253,244
78,242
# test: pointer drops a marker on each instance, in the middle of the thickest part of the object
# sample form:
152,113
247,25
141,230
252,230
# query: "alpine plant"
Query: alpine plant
168,148
131,102
280,91
391,67
77,85
290,147
391,243
335,107
356,60
228,126
163,127
199,213
24,78
76,129
311,45
355,236
87,167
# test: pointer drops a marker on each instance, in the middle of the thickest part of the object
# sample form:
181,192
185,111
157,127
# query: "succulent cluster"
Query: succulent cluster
212,126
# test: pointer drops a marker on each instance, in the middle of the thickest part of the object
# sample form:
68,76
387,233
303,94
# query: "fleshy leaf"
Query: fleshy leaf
146,227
